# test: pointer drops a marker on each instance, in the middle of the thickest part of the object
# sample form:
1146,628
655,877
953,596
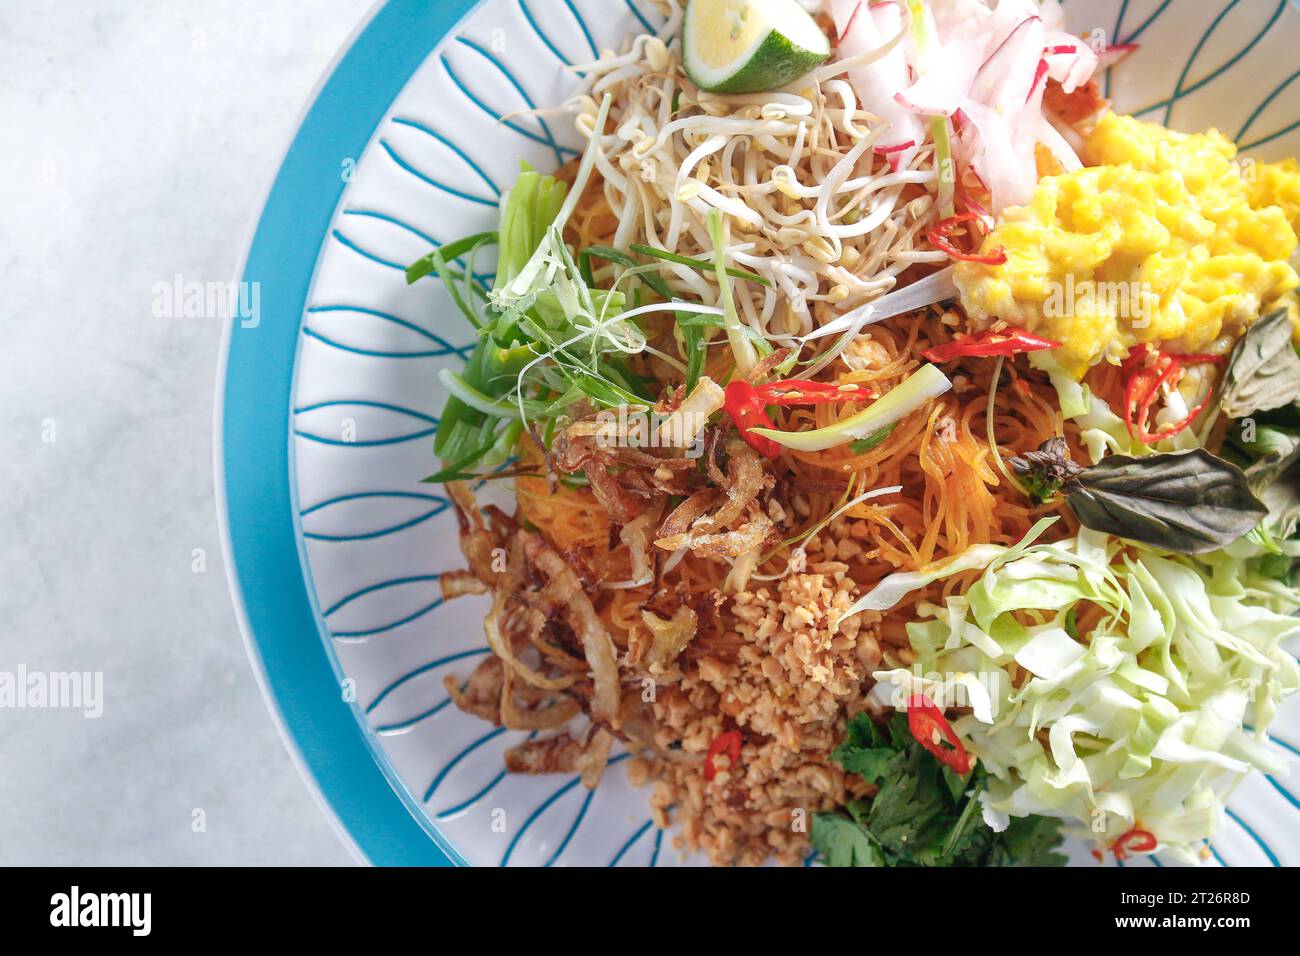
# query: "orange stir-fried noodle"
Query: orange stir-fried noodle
953,496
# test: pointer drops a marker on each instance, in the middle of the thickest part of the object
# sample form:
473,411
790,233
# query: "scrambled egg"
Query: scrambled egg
1276,184
1162,240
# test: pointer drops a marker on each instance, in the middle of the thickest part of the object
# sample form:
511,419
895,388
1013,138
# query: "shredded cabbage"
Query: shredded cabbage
1101,430
1139,723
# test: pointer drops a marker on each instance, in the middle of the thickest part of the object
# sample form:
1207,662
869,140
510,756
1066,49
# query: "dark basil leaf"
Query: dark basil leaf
1274,451
1273,473
1264,371
1282,499
1188,503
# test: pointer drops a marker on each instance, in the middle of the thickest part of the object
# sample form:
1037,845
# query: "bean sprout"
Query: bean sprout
809,204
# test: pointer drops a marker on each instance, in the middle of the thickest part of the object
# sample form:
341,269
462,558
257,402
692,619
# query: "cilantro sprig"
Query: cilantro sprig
923,814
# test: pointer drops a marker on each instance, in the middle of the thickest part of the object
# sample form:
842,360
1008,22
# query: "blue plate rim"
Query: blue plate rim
327,736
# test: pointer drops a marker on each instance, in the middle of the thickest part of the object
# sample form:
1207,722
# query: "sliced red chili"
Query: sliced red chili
745,406
727,742
1135,841
1149,372
797,391
928,725
1005,341
940,237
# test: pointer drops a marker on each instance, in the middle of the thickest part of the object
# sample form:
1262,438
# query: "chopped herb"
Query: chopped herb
923,814
548,339
843,842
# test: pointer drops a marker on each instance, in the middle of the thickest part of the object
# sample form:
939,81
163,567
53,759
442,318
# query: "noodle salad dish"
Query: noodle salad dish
889,448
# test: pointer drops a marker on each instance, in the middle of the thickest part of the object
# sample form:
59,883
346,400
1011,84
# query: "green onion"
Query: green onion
923,385
449,282
450,252
518,286
694,345
465,447
652,279
944,164
548,338
864,445
700,264
498,408
527,214
504,446
454,472
686,320
741,347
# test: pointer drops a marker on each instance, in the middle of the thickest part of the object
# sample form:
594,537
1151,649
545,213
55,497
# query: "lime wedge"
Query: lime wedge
750,46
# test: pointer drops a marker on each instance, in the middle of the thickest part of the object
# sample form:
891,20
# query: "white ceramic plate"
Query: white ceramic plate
331,401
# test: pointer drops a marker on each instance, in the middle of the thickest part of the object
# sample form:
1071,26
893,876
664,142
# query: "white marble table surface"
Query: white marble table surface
137,139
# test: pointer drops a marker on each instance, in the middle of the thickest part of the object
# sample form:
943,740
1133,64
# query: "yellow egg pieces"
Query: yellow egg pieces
1162,239
1276,184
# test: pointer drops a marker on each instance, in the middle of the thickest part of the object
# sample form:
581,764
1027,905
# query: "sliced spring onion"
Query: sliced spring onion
520,286
946,166
864,445
464,299
699,320
651,278
504,446
694,346
923,385
527,213
700,264
741,347
483,403
450,252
